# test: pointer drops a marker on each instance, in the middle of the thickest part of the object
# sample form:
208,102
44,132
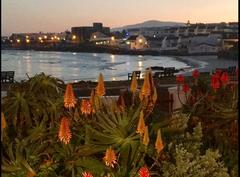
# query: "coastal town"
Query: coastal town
119,88
189,39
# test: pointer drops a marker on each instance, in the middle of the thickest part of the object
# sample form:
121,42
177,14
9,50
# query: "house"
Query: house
228,43
137,42
183,43
155,43
83,33
99,38
170,43
203,48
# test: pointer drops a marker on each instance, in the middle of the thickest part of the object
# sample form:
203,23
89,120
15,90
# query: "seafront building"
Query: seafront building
83,33
191,39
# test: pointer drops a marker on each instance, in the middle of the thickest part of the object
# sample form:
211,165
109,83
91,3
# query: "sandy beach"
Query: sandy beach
205,63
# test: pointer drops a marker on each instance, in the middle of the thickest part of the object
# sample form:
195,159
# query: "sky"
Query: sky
60,15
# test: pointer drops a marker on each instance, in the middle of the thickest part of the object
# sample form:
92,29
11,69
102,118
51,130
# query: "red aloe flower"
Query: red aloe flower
195,73
224,78
218,73
144,172
180,79
87,174
215,83
185,88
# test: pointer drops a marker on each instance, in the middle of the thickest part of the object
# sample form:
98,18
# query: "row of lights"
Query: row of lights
45,37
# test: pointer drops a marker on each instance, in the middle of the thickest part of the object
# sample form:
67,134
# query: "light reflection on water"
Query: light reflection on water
80,66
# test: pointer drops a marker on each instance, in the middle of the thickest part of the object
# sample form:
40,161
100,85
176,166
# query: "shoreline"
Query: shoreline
102,49
204,63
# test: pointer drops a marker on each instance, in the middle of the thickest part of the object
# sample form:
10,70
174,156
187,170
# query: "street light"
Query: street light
112,38
140,40
74,37
27,41
45,37
18,41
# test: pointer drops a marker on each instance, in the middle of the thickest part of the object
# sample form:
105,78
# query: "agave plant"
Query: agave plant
116,129
28,102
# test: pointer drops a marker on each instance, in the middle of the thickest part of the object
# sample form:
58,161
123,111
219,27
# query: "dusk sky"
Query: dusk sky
60,15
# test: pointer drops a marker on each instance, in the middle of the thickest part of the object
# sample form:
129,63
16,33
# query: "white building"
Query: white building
137,42
101,39
170,43
203,48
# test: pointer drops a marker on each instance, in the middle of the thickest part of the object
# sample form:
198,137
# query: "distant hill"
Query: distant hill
150,23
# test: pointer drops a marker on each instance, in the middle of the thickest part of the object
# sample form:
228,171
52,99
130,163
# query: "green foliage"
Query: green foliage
187,160
30,142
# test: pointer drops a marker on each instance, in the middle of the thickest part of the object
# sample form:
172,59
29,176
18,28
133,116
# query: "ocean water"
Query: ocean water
72,67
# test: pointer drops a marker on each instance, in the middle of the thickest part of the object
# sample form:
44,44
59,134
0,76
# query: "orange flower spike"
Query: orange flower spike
92,97
3,121
110,157
154,97
69,97
86,107
100,89
121,103
146,90
31,174
87,174
151,82
141,125
64,133
134,83
159,144
146,136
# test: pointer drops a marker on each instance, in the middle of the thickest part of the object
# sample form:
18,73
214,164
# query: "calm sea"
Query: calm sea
72,67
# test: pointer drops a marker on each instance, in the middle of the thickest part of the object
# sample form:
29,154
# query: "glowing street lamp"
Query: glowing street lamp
58,38
27,41
27,37
45,37
74,37
40,38
112,38
18,41
52,38
94,36
140,40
